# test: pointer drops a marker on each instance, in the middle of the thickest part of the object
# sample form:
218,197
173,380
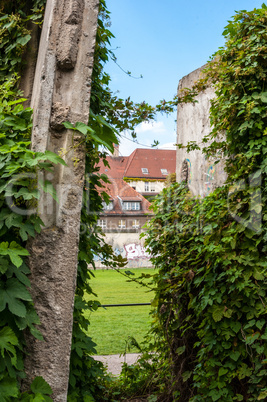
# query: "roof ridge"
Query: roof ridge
130,158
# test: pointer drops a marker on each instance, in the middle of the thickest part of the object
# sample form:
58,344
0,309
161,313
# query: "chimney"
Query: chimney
116,152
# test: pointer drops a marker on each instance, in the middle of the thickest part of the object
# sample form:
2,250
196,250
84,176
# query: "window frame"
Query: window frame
136,224
131,205
102,223
121,225
107,207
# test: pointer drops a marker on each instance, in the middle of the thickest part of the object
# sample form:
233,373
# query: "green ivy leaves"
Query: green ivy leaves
212,252
18,193
100,131
12,294
14,251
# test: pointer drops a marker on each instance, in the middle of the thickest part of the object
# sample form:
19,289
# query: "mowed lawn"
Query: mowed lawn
110,327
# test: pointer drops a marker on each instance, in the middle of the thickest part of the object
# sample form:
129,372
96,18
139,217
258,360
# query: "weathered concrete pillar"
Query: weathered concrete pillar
193,124
61,93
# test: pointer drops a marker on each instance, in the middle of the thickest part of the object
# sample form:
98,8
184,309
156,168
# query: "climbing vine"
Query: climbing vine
210,304
18,194
211,289
18,222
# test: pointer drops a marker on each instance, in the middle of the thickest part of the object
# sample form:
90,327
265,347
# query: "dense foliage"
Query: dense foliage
18,223
210,305
107,115
211,290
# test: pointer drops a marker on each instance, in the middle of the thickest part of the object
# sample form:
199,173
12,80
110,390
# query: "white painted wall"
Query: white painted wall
140,186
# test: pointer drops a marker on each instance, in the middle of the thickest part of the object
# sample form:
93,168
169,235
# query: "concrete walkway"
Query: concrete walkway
114,362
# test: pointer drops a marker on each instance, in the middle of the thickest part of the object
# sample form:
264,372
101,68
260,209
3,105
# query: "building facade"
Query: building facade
134,180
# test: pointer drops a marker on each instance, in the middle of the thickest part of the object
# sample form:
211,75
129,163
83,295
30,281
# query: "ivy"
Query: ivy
18,223
211,291
19,195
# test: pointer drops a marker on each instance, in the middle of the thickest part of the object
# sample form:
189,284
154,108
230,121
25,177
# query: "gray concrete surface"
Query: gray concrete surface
193,124
114,362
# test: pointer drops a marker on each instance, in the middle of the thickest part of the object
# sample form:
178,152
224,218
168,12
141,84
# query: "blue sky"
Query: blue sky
163,41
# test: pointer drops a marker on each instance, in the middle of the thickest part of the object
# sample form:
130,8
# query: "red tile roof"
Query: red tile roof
131,166
153,160
119,190
117,166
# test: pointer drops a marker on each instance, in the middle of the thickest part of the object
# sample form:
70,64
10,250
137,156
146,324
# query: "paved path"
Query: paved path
114,362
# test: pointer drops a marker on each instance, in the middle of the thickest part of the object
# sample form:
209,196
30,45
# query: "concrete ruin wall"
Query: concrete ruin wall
193,123
61,92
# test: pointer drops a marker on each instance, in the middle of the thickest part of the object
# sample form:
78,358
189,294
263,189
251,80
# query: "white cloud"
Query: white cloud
168,145
127,147
156,127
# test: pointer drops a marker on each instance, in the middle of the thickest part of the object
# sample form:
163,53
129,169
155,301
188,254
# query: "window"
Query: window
131,206
164,172
150,186
107,207
144,170
135,224
133,185
122,224
102,223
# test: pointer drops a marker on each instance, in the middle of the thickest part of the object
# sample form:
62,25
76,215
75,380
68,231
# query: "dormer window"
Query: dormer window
107,207
164,172
144,170
131,206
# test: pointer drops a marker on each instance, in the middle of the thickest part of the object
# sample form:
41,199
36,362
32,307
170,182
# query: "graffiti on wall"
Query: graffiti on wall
209,179
136,255
135,251
189,171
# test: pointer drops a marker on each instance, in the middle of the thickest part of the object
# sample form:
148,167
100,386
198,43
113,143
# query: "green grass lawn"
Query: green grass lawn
110,327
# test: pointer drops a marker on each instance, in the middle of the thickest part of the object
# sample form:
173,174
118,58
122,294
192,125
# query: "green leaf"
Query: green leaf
48,187
54,158
14,251
27,194
8,340
28,321
23,40
215,395
217,313
263,395
8,389
180,350
258,275
223,371
235,355
13,220
11,294
3,265
264,97
68,125
186,375
228,313
244,371
38,398
39,385
236,326
83,128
